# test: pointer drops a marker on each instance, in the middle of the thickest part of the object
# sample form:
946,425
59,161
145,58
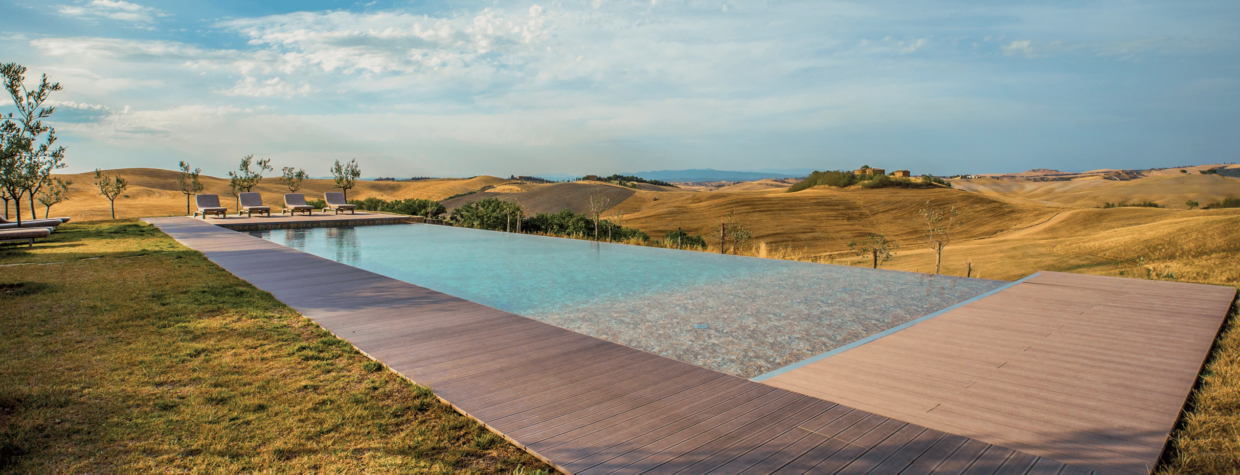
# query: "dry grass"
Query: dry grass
154,192
123,351
1170,189
1208,441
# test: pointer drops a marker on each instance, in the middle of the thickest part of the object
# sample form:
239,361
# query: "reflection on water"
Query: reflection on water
342,242
740,315
295,238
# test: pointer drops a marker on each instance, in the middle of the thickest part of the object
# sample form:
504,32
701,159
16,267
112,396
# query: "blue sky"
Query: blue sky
463,88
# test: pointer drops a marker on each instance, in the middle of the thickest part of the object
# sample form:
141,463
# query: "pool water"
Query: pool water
740,315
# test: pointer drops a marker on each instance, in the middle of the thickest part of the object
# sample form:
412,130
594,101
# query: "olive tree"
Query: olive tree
25,168
598,204
292,178
188,183
56,192
245,179
345,175
876,246
111,188
938,224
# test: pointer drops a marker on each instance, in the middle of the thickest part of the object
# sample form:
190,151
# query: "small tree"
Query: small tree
188,183
25,168
56,192
345,175
244,179
1192,204
939,223
110,188
598,204
247,179
292,178
876,247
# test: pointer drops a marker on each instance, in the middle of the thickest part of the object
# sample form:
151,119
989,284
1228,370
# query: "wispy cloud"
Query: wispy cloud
118,10
267,88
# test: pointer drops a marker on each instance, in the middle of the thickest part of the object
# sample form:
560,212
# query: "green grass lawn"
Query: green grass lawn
123,351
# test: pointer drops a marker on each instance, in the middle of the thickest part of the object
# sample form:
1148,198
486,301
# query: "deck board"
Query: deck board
1091,371
583,404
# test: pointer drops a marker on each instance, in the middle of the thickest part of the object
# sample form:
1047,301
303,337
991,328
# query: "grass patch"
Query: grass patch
123,351
1207,440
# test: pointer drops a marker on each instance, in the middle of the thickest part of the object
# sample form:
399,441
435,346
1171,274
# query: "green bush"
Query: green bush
411,207
684,239
1139,204
1227,203
317,204
837,179
568,223
490,213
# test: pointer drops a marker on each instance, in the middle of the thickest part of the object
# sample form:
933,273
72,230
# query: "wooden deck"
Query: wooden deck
1093,371
586,405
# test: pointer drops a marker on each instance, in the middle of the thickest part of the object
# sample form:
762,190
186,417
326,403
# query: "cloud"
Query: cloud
118,10
398,42
271,87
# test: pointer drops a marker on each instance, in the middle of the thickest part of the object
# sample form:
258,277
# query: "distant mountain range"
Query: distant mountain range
707,174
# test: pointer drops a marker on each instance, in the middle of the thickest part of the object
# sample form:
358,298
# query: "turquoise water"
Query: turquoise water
740,315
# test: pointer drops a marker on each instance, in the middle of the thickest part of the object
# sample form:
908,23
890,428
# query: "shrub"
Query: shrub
317,204
490,213
1139,204
1227,203
837,179
568,223
411,207
684,239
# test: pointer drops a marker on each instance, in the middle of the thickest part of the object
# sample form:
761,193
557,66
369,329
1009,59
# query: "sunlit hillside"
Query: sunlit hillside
154,192
1169,189
822,219
1009,228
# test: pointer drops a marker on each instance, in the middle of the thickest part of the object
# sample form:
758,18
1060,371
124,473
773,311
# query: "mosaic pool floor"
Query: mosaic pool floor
739,315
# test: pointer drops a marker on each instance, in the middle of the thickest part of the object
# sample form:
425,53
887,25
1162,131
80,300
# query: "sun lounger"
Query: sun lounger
336,202
251,202
32,223
294,202
23,234
209,204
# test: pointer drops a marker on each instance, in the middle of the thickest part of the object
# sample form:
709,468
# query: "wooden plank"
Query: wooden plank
584,404
1086,370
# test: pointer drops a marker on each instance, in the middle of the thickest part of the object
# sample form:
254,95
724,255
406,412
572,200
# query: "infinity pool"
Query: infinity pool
740,315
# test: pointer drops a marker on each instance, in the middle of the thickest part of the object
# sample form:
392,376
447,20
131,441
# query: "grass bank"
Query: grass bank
123,351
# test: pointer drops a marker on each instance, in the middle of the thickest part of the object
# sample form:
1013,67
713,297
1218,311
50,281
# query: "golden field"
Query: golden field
1010,228
154,192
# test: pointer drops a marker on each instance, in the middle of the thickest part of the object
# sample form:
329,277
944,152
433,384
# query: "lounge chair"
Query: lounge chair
32,223
294,202
209,204
251,202
26,235
336,202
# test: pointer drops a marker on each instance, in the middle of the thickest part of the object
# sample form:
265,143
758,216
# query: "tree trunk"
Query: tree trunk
33,210
113,209
875,253
723,238
17,209
187,204
938,257
47,211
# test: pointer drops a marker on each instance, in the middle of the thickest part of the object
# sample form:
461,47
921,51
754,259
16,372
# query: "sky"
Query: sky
463,88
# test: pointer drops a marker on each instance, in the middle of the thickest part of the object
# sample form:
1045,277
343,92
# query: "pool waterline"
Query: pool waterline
741,315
